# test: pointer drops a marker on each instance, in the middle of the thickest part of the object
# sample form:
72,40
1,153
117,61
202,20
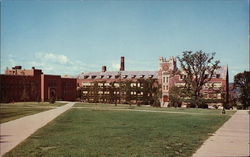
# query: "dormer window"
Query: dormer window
133,76
142,76
109,76
206,76
102,76
217,75
117,76
85,77
93,76
151,76
125,76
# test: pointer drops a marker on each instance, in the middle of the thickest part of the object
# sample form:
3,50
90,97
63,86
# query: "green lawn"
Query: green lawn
150,108
12,111
31,104
99,133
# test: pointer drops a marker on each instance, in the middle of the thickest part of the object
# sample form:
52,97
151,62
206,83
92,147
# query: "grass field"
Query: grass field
103,133
150,108
12,111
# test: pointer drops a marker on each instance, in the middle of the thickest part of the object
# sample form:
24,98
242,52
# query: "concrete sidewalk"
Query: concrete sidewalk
14,132
232,139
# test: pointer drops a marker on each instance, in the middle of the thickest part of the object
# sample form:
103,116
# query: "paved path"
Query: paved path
232,139
14,132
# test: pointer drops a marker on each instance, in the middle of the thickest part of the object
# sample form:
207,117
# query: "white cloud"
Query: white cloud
49,63
115,66
52,57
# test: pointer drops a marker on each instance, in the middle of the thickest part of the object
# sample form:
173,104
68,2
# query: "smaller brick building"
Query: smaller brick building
18,84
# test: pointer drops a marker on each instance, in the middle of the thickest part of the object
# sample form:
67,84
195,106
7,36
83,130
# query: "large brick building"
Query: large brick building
108,84
166,77
18,84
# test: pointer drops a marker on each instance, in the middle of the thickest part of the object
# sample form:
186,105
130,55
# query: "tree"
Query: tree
199,68
95,90
175,96
242,81
138,90
113,93
127,89
103,96
156,94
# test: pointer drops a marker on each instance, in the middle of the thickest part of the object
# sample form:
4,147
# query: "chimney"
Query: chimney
122,68
18,67
104,68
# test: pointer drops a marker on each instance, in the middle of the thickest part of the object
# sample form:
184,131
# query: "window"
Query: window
181,77
217,84
106,84
217,75
206,76
133,85
164,79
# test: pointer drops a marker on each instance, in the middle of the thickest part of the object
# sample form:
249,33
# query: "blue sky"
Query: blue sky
70,37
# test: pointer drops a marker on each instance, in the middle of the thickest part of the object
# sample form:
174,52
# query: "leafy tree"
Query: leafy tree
242,81
113,96
199,68
175,96
156,94
88,95
138,91
127,89
148,85
95,90
103,89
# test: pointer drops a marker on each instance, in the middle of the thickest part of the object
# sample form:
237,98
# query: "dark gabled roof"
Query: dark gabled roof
115,74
